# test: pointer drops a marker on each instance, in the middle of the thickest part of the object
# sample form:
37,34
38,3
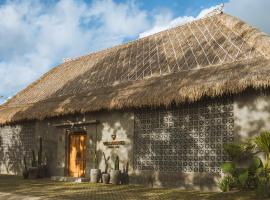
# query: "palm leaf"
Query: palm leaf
263,142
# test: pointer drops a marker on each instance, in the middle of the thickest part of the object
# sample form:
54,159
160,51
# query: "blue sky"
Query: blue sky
37,35
178,7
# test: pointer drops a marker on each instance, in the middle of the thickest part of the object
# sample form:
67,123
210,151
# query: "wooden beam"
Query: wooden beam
81,123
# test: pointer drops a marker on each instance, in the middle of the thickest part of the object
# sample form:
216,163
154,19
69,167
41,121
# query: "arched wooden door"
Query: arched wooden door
77,155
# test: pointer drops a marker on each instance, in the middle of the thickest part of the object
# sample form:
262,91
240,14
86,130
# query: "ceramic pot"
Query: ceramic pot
105,178
33,172
115,176
95,175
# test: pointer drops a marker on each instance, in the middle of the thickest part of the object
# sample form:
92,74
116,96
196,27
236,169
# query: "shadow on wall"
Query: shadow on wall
119,128
199,181
1,153
182,146
104,69
15,142
252,113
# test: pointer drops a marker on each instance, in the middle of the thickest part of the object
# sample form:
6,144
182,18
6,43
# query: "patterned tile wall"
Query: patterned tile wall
184,139
15,142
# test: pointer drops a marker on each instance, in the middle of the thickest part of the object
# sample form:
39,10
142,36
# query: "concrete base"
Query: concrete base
70,179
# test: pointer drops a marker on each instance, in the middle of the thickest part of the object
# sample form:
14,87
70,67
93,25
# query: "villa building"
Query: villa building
165,103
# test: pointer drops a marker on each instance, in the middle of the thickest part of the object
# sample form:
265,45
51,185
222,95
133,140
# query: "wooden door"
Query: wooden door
77,159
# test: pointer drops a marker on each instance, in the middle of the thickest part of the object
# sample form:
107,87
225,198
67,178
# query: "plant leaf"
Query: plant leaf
256,163
263,142
228,167
243,176
233,150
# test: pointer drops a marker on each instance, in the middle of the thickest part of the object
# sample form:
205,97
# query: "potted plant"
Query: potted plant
25,172
42,167
106,175
124,175
33,170
95,173
115,173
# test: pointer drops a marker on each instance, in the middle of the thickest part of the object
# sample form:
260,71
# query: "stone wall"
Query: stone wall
16,141
251,114
183,145
19,140
122,125
179,146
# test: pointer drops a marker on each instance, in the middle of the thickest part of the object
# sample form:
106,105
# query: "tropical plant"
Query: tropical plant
228,167
106,162
240,175
255,173
24,162
25,171
125,170
239,152
124,175
34,161
116,164
263,144
233,150
263,185
96,161
244,176
227,183
40,152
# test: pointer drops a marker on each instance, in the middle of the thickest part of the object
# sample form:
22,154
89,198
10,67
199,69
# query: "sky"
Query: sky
36,35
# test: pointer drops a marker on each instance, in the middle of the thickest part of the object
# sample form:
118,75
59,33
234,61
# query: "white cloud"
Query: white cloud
164,21
35,36
254,12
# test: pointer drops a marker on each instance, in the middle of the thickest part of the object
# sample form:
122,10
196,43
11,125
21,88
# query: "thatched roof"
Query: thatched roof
213,56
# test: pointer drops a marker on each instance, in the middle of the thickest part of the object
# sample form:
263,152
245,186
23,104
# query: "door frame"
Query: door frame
67,151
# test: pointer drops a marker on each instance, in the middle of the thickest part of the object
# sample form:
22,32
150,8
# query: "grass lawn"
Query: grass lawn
60,190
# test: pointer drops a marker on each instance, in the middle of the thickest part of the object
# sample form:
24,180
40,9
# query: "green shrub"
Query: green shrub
240,175
228,167
263,144
263,186
255,164
257,174
227,183
263,172
243,177
233,150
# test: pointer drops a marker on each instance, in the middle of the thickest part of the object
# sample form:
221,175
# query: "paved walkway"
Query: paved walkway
10,196
15,188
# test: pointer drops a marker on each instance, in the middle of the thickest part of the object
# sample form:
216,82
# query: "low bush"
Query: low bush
227,183
255,174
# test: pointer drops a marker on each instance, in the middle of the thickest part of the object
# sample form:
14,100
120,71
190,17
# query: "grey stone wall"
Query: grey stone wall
179,146
251,114
16,141
122,125
183,145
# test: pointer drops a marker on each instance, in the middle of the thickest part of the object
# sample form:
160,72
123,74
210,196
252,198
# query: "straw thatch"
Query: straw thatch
210,57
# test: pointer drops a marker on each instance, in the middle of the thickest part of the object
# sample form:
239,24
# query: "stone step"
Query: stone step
70,179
